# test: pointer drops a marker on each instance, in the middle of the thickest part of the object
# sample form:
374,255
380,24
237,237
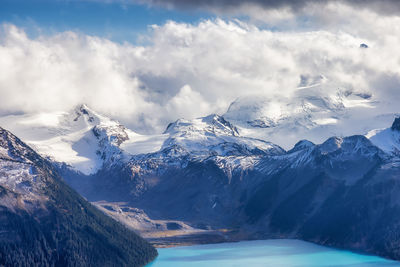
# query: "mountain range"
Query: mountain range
208,173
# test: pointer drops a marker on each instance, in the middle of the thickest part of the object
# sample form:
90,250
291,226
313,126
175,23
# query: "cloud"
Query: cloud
60,71
248,7
384,5
190,70
187,103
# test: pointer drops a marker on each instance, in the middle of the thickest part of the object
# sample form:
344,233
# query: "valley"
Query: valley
197,133
161,233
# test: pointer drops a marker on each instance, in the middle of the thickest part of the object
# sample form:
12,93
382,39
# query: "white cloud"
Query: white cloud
192,70
188,103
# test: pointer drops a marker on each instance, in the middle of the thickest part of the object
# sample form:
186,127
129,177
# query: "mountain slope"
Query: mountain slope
387,139
343,192
208,174
209,140
45,223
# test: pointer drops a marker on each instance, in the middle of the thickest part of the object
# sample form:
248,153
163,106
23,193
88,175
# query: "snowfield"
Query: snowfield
87,141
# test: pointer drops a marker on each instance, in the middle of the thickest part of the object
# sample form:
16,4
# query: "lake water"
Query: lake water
265,253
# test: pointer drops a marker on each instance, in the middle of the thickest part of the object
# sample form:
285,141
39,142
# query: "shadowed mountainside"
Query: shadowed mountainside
44,222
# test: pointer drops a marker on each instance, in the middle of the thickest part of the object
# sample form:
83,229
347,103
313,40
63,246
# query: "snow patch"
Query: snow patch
386,139
143,144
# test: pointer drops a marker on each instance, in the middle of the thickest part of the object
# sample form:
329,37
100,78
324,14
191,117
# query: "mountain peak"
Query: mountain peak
213,123
354,144
331,144
220,122
396,124
83,110
302,144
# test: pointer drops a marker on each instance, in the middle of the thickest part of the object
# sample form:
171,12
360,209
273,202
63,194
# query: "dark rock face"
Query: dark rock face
396,124
82,110
43,222
262,123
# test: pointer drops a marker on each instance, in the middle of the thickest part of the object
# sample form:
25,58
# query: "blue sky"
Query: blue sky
114,21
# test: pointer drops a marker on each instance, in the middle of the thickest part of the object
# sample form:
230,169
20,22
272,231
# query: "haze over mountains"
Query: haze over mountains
308,114
85,139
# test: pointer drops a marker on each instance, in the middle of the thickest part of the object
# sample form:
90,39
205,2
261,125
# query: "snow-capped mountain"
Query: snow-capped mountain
66,136
341,193
210,138
310,114
81,138
88,141
354,154
213,135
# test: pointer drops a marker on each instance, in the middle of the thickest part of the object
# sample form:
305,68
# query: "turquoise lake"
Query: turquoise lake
265,253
